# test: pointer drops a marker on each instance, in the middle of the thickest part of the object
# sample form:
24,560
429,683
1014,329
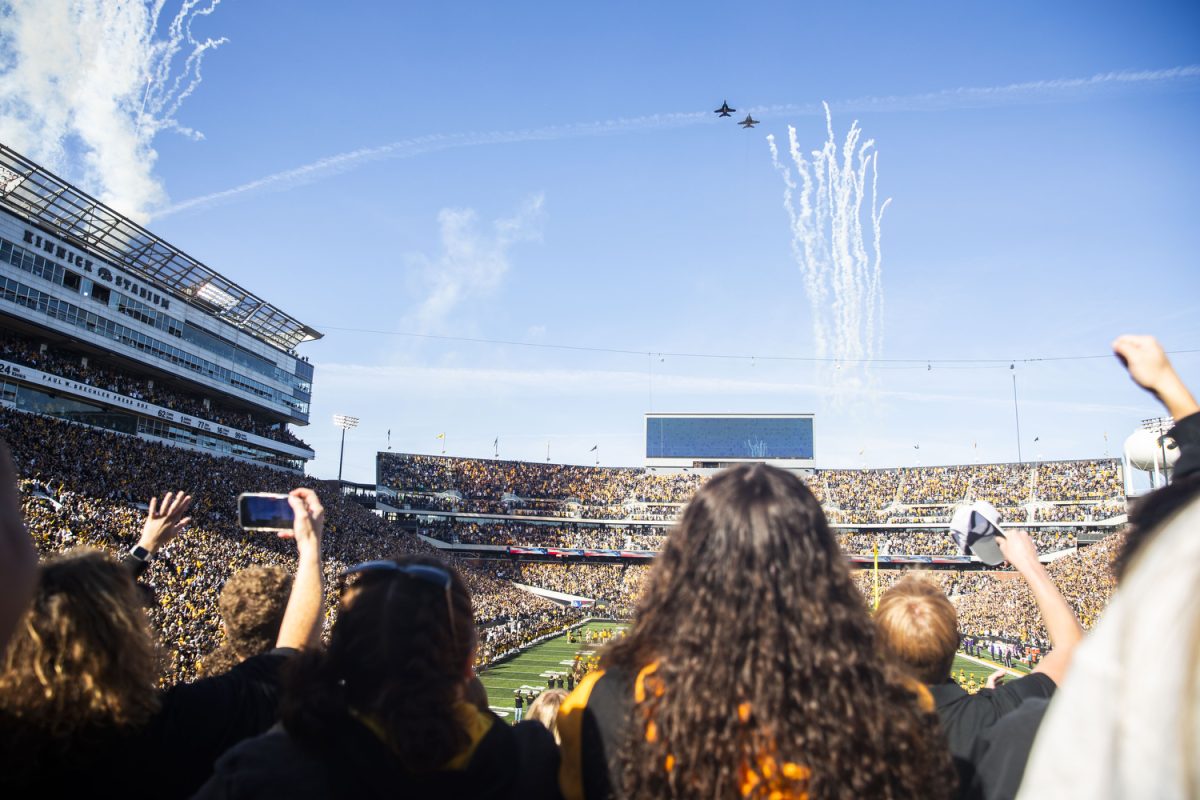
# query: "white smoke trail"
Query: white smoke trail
843,280
431,143
86,85
1027,92
1035,91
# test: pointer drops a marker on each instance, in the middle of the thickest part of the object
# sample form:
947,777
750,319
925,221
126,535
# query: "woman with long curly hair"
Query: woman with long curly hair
84,657
385,711
80,709
751,669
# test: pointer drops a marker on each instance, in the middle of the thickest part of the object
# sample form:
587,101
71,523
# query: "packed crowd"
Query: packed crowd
1000,609
67,364
936,543
1067,491
1076,481
1074,512
757,664
516,533
915,541
99,500
512,632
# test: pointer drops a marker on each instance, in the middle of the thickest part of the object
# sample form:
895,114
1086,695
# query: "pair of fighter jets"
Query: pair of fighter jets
725,111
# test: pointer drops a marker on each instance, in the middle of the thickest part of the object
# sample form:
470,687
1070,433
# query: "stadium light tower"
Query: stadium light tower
345,423
1159,427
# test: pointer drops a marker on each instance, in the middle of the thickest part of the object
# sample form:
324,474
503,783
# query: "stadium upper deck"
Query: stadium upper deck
1061,492
103,322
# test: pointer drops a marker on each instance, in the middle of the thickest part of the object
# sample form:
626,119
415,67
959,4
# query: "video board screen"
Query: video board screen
729,437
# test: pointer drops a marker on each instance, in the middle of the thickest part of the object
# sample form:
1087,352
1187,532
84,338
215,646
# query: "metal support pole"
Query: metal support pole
1162,449
342,456
345,423
1017,415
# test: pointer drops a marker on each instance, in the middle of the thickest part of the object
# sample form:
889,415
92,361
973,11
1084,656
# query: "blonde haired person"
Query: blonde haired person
545,710
918,632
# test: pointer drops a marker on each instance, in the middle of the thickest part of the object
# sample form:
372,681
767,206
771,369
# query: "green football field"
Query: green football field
531,668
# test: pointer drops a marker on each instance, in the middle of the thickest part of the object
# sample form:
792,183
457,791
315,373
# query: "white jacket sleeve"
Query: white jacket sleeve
1126,721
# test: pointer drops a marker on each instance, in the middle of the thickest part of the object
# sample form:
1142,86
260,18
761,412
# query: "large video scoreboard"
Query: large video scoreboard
714,440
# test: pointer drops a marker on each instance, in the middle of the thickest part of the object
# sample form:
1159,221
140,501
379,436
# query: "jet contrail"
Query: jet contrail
947,98
420,145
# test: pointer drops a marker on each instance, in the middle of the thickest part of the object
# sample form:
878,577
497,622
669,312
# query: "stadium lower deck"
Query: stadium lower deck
530,669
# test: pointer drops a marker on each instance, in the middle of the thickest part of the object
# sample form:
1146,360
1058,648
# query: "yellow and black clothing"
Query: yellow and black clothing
355,761
594,719
591,722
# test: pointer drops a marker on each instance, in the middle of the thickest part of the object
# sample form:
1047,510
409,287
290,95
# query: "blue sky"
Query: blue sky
1037,220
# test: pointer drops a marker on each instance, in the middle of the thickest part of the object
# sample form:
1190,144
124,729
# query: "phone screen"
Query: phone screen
265,512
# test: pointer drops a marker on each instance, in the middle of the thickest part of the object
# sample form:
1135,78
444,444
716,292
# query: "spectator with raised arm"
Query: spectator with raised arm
1133,692
77,707
164,521
1150,369
918,632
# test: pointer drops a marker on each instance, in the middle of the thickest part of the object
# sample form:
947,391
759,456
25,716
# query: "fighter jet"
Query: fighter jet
748,122
724,110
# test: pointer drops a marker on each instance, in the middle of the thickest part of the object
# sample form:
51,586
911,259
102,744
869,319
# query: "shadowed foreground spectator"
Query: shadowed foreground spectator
77,710
385,710
18,560
544,709
252,603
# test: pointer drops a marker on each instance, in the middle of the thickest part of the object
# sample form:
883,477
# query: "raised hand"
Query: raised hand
1018,549
309,523
165,520
301,626
1150,368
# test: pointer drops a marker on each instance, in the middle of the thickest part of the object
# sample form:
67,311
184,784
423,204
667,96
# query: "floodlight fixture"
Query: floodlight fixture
345,423
1158,425
214,295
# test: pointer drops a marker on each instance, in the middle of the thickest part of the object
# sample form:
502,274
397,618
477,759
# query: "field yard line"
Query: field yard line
983,662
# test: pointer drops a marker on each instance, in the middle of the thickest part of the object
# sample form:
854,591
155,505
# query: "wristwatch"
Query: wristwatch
141,554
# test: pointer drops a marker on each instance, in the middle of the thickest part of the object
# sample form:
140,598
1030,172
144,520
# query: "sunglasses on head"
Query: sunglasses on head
425,573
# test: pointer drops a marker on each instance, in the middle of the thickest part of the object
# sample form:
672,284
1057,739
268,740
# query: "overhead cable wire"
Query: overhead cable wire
911,362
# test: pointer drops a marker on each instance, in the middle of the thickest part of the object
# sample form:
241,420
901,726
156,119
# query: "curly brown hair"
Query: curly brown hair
767,673
252,604
83,655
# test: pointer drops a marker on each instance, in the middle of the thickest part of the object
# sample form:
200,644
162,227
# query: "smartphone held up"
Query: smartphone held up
265,511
